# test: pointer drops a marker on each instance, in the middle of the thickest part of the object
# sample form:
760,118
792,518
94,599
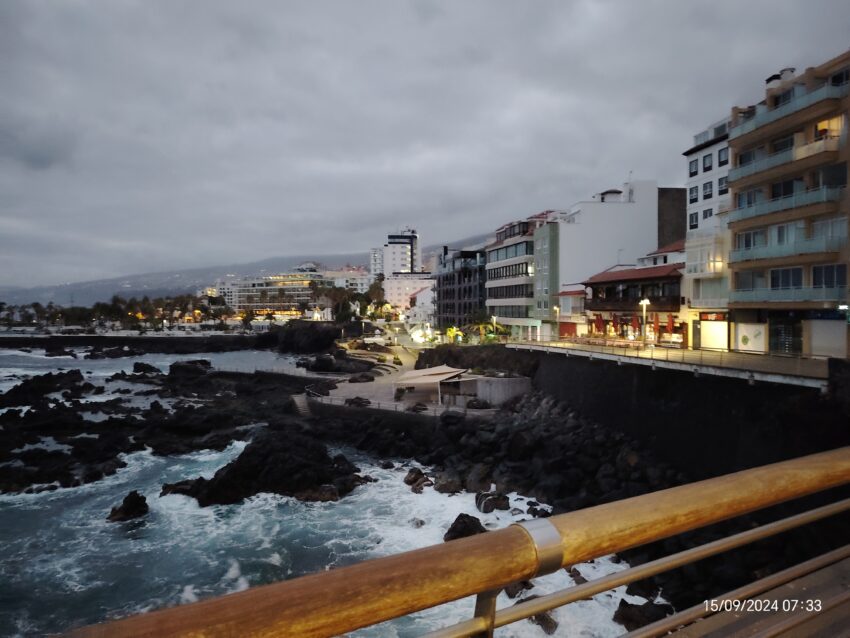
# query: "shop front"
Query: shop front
711,331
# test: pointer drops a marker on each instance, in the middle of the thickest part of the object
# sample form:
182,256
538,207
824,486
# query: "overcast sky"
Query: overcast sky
145,136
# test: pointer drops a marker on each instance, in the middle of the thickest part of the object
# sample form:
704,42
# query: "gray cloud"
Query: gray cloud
143,136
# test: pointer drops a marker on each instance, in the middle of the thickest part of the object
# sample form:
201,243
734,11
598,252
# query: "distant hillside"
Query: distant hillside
160,284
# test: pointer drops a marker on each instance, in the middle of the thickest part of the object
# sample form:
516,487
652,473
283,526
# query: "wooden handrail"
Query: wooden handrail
341,600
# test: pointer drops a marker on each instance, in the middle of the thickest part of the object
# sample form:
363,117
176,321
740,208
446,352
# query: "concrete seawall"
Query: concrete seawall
703,425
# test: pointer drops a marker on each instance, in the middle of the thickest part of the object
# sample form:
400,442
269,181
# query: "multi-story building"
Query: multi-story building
460,292
399,287
376,262
615,226
402,253
706,281
357,280
789,256
510,277
615,309
286,293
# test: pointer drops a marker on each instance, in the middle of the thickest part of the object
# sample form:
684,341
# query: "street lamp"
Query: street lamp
644,303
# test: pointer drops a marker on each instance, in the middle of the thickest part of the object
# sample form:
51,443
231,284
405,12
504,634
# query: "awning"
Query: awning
429,376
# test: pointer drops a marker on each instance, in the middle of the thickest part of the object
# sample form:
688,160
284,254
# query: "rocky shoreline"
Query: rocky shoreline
534,446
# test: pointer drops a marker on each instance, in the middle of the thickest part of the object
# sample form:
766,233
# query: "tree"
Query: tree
247,319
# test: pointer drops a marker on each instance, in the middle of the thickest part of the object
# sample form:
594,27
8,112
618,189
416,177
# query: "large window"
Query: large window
504,272
749,198
830,276
835,227
693,167
751,239
693,194
750,280
722,185
723,156
707,190
707,162
708,212
693,220
509,252
786,278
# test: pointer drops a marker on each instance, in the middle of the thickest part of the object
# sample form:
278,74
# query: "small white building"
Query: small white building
423,306
400,286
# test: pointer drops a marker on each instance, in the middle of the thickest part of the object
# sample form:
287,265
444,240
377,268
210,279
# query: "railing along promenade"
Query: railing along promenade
762,363
342,600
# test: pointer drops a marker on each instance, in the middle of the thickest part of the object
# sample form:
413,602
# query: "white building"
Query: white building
285,293
707,244
402,253
399,287
423,305
357,280
376,262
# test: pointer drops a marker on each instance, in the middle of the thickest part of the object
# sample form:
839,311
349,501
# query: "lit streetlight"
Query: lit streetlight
644,303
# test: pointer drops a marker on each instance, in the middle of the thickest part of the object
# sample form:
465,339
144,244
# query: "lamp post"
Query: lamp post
643,304
557,322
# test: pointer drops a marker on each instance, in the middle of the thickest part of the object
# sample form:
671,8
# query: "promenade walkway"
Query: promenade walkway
752,367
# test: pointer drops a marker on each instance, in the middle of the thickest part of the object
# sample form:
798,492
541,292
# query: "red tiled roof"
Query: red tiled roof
636,274
675,247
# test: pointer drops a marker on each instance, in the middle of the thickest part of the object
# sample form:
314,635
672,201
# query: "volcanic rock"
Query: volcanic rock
134,505
634,616
464,525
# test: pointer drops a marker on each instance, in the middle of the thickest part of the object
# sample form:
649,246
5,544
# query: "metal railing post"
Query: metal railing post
485,609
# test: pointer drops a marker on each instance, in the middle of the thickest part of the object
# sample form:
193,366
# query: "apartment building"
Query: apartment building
286,293
789,255
706,281
460,292
401,253
510,277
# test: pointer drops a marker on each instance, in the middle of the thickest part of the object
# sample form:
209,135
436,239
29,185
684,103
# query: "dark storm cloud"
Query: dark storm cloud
140,136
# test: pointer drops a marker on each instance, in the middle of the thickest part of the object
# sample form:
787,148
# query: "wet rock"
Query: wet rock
387,465
362,377
478,479
645,588
140,367
464,525
133,506
188,370
414,475
515,589
279,462
448,482
486,502
575,574
421,484
416,522
34,390
635,616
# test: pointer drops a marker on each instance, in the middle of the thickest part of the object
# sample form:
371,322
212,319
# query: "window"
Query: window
722,186
783,189
707,162
747,157
693,167
786,278
707,190
840,78
693,220
749,198
693,194
751,239
836,227
723,156
831,276
708,212
783,144
720,130
750,280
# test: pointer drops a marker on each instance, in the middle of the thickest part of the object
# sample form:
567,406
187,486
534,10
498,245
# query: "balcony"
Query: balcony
797,160
838,294
801,247
656,304
798,103
708,302
797,200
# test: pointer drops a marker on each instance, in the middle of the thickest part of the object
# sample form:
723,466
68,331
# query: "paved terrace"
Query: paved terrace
813,373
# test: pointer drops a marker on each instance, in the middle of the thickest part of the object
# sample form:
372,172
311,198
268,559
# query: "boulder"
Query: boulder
140,367
362,377
515,589
464,525
133,506
414,475
478,479
448,482
635,616
188,370
486,502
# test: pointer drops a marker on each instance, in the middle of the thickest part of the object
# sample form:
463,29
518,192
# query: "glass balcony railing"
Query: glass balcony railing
784,157
798,103
800,247
789,294
803,198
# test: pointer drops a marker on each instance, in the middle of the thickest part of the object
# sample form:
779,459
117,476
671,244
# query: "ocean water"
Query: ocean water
63,565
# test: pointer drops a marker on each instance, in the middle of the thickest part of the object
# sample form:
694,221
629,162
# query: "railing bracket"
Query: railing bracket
547,544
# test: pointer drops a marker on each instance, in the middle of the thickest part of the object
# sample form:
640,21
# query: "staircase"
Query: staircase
301,405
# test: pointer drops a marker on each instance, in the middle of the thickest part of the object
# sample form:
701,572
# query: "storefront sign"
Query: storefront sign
713,316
